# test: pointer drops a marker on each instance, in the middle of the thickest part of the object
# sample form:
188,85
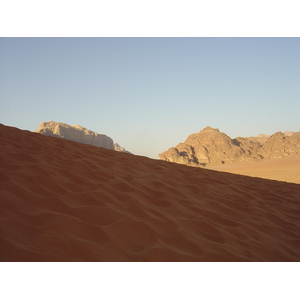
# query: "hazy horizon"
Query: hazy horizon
149,94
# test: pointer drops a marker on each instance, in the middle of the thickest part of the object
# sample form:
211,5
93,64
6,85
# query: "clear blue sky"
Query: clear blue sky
149,94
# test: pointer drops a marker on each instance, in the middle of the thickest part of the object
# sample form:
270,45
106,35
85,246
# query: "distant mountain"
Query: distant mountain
212,147
289,133
79,134
261,138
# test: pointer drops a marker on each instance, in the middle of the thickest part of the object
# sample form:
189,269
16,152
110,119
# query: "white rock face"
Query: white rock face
76,133
117,147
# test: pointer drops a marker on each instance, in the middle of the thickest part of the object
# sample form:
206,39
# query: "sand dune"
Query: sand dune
284,169
65,201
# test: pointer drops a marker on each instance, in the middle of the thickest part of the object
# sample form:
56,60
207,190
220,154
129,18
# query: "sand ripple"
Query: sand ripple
65,201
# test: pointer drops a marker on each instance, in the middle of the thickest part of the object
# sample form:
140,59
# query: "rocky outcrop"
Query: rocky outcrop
79,134
280,145
212,147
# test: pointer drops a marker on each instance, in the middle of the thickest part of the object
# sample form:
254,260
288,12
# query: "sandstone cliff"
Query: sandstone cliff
79,134
212,147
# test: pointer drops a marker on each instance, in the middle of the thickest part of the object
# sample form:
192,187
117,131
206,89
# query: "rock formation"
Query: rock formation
212,147
79,134
280,145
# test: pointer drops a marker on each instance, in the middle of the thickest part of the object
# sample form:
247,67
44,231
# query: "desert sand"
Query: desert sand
284,169
65,201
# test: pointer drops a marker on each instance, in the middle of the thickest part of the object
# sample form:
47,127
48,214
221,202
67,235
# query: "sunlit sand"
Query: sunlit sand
285,169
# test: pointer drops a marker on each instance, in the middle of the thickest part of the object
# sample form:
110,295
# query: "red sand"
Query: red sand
65,201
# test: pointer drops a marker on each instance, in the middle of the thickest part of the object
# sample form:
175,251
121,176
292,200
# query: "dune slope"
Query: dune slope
65,201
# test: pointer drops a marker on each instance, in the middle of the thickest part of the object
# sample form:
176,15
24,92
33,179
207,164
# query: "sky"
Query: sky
149,94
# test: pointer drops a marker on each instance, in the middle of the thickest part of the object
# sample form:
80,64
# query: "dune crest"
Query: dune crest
66,201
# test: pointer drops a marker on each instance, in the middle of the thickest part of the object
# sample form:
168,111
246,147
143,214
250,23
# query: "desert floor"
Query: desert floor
285,169
65,201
